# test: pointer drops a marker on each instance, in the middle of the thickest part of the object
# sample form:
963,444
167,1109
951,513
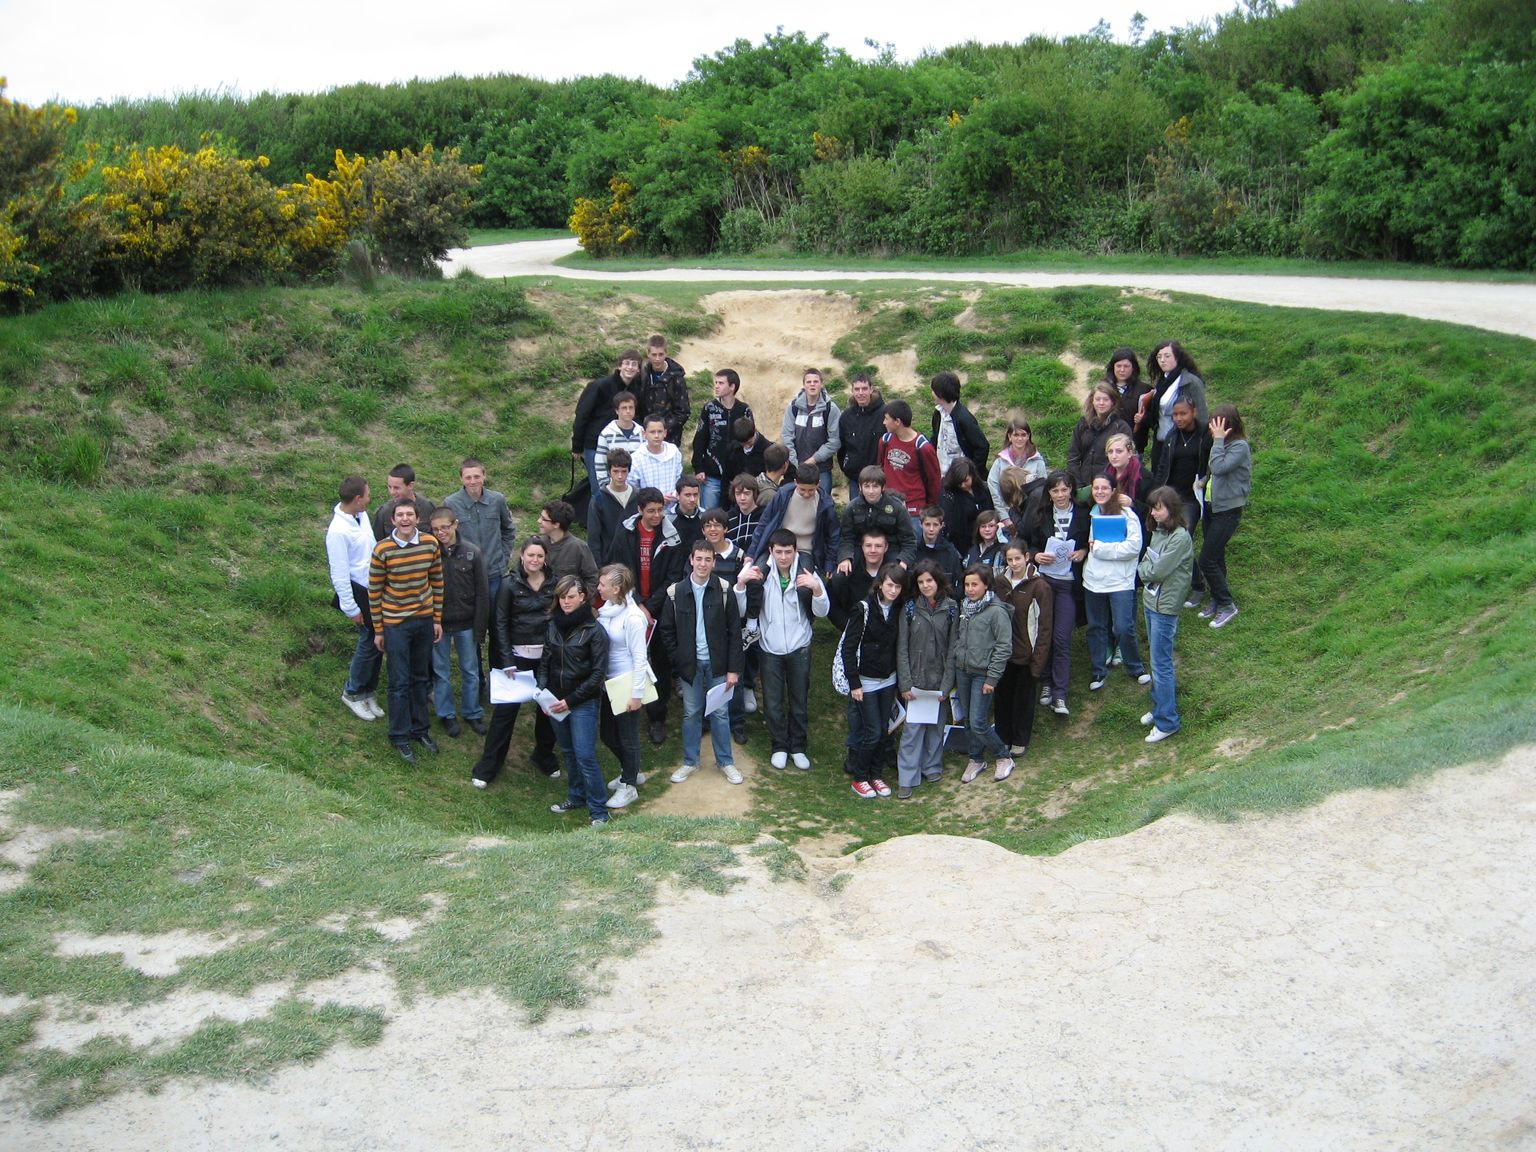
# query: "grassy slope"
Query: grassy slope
175,601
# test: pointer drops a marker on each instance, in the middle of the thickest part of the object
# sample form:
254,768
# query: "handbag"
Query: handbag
579,494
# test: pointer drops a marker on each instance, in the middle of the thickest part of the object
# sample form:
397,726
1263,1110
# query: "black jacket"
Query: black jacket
1185,455
948,558
973,444
860,429
1085,454
889,513
667,559
466,590
575,661
677,624
742,460
522,614
960,511
594,410
869,641
664,393
712,440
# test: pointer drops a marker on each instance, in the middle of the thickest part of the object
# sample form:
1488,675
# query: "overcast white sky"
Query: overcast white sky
92,50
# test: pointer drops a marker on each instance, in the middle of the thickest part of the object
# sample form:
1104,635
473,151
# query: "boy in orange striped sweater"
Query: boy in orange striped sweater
405,596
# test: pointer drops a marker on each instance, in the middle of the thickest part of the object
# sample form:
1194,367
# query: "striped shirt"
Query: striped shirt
650,470
405,580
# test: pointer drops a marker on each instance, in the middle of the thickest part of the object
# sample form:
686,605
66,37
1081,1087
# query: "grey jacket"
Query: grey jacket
1231,474
1167,569
925,645
984,642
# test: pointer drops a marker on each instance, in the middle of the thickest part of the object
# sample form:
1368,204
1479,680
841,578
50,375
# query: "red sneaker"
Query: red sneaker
863,790
881,787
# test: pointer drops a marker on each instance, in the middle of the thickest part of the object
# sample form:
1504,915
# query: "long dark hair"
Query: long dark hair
1185,361
934,569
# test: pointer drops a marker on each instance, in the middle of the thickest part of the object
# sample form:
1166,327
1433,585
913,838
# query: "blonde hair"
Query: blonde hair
1121,438
621,573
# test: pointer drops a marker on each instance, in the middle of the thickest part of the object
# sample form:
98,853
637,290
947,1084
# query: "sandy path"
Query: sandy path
1496,307
1356,976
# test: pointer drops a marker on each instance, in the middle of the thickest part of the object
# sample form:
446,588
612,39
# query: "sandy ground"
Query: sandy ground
1495,307
1356,976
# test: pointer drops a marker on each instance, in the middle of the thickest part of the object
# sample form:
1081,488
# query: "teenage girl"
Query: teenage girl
988,542
1101,420
1165,573
1032,601
1019,453
1229,485
1060,543
573,666
1109,583
522,614
983,643
869,660
1175,375
924,659
624,622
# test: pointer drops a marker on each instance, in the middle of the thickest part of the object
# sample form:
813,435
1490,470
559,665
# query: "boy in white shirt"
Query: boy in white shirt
659,463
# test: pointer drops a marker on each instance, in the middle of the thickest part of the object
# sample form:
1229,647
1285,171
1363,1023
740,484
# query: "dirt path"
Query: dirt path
1356,976
1496,307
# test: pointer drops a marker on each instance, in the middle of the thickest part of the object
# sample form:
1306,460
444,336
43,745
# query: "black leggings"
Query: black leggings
1219,528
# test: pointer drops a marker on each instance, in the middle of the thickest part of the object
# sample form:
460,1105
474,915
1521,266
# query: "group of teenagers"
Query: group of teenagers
943,574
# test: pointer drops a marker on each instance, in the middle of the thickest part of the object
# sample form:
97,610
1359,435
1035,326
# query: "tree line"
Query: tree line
1339,129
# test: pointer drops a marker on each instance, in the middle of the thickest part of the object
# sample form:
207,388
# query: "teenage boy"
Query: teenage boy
466,614
594,408
623,431
484,521
793,595
685,515
649,545
405,600
807,513
955,431
349,545
659,463
663,390
747,448
741,524
910,464
700,623
730,560
872,508
566,555
776,473
715,437
860,429
402,486
934,544
610,505
847,588
810,429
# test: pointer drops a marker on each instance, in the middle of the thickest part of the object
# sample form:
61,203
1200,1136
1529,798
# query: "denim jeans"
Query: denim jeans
577,736
871,742
1162,629
462,645
825,482
363,672
709,492
981,738
621,735
589,458
1112,613
409,648
694,692
786,698
1219,529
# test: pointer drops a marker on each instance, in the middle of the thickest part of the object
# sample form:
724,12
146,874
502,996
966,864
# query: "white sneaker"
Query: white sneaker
972,770
373,706
359,706
749,700
730,773
1144,678
802,761
479,783
617,780
1096,683
1045,696
1060,708
779,759
1146,718
1004,769
623,796
684,772
1157,734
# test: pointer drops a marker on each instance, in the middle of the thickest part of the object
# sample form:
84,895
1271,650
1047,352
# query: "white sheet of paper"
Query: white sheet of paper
546,699
898,717
717,697
923,708
519,688
956,710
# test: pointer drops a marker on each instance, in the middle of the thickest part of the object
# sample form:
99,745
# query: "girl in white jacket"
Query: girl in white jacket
625,624
1109,582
